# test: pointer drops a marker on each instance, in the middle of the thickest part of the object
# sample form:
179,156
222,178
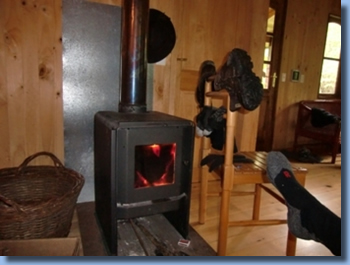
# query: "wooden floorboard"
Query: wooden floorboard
323,181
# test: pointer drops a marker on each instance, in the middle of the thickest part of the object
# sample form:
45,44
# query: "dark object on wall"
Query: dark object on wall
38,201
161,36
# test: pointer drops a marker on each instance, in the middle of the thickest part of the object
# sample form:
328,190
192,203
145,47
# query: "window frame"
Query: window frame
337,92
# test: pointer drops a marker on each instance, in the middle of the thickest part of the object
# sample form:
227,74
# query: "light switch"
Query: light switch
283,77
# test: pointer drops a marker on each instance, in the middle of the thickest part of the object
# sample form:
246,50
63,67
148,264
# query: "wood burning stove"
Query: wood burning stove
143,166
143,159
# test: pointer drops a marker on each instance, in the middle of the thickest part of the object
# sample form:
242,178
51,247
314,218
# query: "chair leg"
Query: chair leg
224,222
334,156
291,244
257,199
335,150
295,144
203,195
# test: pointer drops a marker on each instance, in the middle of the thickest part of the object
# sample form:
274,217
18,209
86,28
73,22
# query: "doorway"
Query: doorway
271,70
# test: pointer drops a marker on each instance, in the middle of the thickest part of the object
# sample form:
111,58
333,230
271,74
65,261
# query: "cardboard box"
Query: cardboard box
67,246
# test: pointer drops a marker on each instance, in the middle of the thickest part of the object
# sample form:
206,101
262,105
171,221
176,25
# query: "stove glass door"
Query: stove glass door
154,165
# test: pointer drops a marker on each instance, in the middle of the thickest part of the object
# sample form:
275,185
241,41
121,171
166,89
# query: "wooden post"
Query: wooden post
204,170
257,199
291,244
227,186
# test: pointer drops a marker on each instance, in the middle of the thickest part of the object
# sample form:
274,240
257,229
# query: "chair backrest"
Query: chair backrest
333,106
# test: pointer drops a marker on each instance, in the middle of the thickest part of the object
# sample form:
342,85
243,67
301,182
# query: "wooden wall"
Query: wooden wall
203,38
242,25
31,109
304,39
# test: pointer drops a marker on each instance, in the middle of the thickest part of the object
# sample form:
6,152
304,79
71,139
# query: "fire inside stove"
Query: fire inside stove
154,165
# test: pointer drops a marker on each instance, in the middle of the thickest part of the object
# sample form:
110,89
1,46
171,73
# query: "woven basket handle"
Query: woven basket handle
56,161
10,203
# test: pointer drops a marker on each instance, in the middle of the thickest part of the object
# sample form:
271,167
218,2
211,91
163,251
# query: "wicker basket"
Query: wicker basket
38,201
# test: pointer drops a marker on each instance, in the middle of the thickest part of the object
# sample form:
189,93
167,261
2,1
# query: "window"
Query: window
268,48
330,82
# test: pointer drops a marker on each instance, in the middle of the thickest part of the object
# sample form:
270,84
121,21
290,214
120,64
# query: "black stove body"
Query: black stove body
143,166
143,159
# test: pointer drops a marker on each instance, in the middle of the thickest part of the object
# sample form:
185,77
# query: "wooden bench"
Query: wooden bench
329,134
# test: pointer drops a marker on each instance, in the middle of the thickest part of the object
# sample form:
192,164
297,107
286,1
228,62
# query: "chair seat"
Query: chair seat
254,173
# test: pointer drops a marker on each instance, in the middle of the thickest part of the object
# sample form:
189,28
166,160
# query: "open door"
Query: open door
271,70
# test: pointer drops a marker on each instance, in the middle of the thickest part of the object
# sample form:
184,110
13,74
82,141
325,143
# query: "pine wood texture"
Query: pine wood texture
323,181
108,2
31,105
303,44
204,38
200,37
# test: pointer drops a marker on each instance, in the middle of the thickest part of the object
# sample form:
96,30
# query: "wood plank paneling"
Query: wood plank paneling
204,37
248,121
31,112
165,82
6,62
304,39
108,2
31,83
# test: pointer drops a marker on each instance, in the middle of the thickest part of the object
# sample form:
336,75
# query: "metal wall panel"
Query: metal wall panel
91,79
91,63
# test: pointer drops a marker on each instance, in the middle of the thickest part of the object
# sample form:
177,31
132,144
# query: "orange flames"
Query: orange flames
145,183
167,177
156,149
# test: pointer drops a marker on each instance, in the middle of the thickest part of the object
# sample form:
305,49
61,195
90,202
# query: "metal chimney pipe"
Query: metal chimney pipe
135,19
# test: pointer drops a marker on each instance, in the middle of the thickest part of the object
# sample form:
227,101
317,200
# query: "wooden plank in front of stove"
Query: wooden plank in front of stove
129,243
135,242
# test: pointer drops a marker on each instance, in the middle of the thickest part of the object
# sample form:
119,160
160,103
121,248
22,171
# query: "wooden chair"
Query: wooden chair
240,173
328,135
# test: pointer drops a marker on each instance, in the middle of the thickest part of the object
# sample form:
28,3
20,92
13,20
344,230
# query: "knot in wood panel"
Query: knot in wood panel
44,72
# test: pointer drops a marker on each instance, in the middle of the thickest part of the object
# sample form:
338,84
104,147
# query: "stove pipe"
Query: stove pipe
135,20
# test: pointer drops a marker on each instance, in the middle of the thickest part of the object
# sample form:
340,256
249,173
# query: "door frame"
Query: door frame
268,108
